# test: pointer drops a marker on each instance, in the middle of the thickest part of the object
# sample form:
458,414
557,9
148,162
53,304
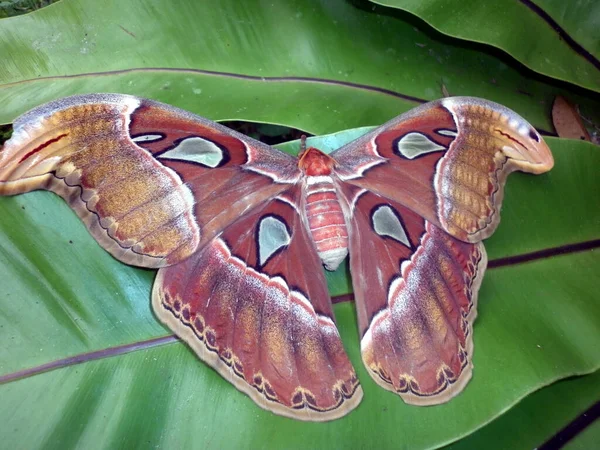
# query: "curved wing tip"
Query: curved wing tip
545,159
540,160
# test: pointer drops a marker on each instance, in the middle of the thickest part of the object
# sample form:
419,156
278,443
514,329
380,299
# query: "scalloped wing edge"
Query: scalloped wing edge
187,334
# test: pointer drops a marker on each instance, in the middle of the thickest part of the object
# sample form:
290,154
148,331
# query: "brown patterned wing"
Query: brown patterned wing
416,297
447,161
147,179
253,304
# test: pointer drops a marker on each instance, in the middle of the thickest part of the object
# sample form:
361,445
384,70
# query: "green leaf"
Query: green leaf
231,62
538,322
336,66
553,37
540,415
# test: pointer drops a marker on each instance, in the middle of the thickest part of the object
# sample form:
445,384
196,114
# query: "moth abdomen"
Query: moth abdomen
326,221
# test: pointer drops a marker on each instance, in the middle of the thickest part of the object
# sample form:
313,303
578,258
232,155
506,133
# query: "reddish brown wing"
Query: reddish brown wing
416,294
158,186
420,192
147,179
254,305
447,161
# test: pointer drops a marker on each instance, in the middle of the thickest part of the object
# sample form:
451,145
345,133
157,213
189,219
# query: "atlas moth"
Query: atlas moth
238,231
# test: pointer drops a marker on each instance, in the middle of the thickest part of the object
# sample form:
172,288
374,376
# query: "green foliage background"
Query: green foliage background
320,66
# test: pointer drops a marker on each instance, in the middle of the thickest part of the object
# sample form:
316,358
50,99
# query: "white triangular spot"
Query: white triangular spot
386,223
417,144
147,138
447,133
272,235
196,150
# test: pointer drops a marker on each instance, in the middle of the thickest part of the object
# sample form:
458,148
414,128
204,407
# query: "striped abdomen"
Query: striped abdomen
326,221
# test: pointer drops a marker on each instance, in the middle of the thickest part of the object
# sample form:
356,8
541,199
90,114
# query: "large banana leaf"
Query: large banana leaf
321,65
66,301
537,417
553,37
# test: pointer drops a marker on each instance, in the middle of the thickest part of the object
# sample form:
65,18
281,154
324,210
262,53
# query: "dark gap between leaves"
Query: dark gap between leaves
576,426
562,33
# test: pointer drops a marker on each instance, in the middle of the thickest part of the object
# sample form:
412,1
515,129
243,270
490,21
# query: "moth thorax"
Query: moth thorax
313,162
326,220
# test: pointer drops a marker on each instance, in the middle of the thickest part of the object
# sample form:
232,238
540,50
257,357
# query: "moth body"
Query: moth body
326,220
323,212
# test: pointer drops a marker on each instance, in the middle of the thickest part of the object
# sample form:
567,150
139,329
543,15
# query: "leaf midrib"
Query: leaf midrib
239,76
557,251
